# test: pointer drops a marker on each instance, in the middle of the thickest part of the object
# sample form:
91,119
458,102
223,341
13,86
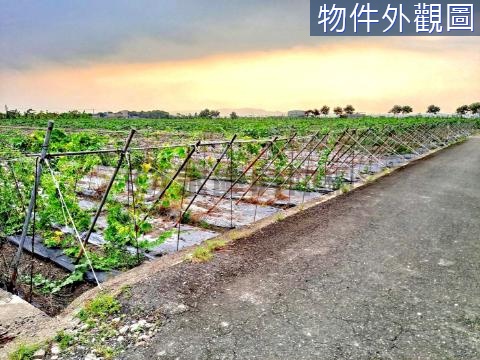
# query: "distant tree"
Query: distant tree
204,113
313,113
325,110
41,115
13,114
152,114
396,109
349,109
462,110
433,109
338,111
475,108
209,114
233,115
29,113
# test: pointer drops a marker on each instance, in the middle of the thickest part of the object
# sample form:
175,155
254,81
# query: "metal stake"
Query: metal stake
266,167
107,191
209,175
33,197
172,180
264,150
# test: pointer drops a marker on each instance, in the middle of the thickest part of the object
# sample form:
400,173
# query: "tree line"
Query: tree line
396,110
47,115
325,110
434,109
472,108
462,110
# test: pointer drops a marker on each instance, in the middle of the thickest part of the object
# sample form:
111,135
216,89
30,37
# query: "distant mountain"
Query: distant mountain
250,112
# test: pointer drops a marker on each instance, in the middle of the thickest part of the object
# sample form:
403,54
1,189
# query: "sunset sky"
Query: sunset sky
185,55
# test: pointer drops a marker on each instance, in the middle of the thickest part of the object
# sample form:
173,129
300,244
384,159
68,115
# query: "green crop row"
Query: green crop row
243,127
147,172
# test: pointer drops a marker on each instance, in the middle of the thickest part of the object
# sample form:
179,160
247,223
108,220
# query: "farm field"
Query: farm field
106,202
181,129
211,179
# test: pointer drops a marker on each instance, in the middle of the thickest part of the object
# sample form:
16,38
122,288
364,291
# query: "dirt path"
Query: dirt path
391,271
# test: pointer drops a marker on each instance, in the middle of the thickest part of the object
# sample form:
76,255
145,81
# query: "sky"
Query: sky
186,55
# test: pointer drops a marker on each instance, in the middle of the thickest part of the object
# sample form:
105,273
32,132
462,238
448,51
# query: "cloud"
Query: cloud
48,33
372,78
80,32
183,55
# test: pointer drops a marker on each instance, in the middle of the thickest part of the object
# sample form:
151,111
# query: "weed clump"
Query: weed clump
214,245
201,254
64,339
280,216
100,308
24,352
107,352
205,253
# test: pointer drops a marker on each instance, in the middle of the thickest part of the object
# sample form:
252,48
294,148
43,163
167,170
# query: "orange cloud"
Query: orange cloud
372,77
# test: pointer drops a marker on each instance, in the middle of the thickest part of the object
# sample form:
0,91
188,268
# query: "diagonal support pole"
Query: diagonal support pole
301,163
289,164
252,163
208,177
265,168
107,191
31,205
172,180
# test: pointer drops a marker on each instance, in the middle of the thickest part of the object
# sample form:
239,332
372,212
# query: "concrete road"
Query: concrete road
391,271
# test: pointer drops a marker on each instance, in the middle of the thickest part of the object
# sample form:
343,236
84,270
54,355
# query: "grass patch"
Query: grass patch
205,253
107,352
213,245
201,254
100,308
233,235
64,339
126,291
24,352
204,225
280,216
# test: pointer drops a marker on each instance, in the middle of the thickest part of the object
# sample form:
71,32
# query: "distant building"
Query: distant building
111,115
356,115
121,114
296,113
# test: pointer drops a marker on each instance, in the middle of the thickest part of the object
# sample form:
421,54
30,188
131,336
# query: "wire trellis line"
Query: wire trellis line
213,185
